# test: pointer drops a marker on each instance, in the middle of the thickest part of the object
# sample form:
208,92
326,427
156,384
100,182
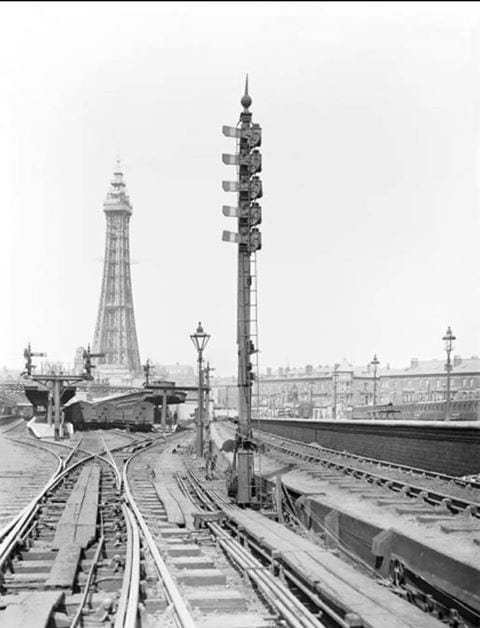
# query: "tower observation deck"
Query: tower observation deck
115,332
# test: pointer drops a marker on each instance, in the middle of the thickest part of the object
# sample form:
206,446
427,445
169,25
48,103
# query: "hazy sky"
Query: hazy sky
371,229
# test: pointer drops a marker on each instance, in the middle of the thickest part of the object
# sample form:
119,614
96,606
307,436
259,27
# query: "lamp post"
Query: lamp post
310,416
448,340
375,363
335,373
200,340
146,369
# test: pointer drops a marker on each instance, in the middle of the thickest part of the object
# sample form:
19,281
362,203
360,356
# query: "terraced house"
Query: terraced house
326,391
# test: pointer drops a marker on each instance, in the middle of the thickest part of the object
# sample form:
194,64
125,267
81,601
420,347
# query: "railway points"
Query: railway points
194,550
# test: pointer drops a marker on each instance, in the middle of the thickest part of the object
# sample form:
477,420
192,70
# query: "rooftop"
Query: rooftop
415,368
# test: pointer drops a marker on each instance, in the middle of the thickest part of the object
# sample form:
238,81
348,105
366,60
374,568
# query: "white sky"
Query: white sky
370,114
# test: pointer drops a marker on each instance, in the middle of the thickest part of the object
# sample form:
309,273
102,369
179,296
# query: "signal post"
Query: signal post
61,387
248,187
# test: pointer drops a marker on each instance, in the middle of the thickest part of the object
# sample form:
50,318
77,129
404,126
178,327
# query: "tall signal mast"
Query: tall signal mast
248,186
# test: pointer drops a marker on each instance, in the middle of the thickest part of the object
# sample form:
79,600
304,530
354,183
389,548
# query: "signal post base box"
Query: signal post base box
245,477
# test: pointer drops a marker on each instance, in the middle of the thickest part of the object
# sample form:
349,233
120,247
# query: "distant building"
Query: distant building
78,362
317,392
425,380
181,374
225,394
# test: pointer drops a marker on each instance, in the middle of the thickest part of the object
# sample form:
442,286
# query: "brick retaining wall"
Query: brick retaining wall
453,449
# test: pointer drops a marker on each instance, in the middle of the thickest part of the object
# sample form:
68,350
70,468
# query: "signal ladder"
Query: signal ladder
254,338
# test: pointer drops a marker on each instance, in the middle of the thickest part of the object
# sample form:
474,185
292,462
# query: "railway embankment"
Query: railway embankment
398,532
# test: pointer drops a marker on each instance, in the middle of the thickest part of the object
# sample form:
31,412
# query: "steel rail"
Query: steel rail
72,453
296,581
28,508
41,445
131,575
288,574
183,615
86,590
11,427
409,489
277,593
134,575
214,498
9,542
384,463
125,600
127,608
127,578
16,534
14,530
446,500
119,432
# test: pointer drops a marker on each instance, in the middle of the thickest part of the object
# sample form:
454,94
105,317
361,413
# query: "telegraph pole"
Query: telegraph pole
248,237
208,370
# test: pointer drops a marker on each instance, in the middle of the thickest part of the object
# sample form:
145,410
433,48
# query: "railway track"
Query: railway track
117,539
50,559
22,498
286,570
20,487
9,425
455,494
112,551
290,608
201,584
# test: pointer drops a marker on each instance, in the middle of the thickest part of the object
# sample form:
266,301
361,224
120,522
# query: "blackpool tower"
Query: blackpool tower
115,332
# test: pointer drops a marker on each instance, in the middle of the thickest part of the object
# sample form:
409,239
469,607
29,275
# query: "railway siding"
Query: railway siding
431,542
23,473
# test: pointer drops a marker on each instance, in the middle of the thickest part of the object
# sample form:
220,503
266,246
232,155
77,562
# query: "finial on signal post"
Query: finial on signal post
246,98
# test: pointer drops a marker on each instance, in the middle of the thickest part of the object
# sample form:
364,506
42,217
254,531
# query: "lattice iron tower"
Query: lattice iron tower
115,332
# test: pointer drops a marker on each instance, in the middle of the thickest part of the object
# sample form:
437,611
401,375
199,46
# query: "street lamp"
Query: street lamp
448,340
375,363
146,369
200,340
335,383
